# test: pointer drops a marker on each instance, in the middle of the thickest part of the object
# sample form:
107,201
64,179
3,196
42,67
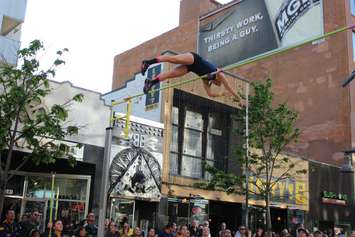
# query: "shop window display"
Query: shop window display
29,191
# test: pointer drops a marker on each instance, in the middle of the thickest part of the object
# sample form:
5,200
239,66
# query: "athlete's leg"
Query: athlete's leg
176,72
184,59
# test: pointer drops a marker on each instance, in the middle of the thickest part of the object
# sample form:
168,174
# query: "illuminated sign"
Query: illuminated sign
334,198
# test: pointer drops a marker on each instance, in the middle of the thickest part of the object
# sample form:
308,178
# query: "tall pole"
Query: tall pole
51,206
104,182
247,156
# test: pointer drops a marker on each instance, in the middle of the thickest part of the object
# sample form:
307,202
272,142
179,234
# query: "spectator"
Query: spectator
90,226
113,230
353,233
30,224
151,232
318,233
285,233
227,233
107,225
56,231
242,232
260,232
182,231
302,232
35,233
173,229
205,231
166,231
194,230
126,231
137,232
9,227
81,232
206,224
223,229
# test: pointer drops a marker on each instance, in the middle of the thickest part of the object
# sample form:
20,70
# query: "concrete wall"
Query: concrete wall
14,9
92,115
133,87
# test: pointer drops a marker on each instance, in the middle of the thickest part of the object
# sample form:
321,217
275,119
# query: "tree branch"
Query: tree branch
281,176
27,158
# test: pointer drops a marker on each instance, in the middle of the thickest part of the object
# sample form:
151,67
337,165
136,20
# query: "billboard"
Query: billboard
253,27
136,162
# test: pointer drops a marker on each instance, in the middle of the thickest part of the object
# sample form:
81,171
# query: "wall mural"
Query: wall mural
135,169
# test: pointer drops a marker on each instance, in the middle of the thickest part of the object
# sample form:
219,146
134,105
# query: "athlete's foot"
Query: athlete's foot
147,86
144,66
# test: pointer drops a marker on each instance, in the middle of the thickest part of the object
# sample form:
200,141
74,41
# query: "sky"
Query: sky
94,32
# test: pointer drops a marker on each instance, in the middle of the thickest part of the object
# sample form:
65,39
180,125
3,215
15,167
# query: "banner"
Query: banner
135,170
152,98
253,27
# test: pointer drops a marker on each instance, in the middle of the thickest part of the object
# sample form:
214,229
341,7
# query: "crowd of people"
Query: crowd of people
30,227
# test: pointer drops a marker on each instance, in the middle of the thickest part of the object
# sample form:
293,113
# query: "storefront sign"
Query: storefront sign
290,192
334,198
253,27
136,164
286,191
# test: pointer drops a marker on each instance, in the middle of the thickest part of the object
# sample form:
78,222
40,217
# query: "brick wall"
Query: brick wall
308,79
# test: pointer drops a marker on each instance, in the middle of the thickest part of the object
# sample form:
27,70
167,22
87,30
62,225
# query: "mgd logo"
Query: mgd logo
290,12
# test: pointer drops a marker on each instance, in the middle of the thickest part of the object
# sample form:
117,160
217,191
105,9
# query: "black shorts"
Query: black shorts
202,67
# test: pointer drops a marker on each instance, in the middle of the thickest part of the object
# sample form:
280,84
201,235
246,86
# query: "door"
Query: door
40,205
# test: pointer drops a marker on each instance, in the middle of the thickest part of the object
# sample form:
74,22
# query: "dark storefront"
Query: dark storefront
331,198
31,188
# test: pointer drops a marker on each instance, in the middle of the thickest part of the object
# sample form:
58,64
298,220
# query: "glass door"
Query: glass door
122,210
38,207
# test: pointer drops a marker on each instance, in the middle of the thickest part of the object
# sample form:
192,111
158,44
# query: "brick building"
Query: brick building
308,78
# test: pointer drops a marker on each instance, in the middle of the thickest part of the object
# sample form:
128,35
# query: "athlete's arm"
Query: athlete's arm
225,83
208,90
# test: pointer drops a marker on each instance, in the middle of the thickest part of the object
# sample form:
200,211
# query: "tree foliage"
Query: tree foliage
39,131
271,129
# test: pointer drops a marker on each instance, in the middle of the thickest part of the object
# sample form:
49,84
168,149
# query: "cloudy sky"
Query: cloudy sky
94,32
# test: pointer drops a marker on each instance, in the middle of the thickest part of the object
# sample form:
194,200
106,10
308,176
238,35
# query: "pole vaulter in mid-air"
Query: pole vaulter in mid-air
188,62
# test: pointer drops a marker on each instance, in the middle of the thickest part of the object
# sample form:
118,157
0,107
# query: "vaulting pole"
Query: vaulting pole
244,62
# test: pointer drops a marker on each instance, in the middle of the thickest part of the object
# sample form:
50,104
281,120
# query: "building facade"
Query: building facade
197,129
74,187
12,15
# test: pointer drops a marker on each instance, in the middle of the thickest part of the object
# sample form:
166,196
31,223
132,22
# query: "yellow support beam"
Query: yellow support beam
128,117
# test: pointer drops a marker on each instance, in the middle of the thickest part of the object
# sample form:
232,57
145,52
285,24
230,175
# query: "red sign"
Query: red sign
333,201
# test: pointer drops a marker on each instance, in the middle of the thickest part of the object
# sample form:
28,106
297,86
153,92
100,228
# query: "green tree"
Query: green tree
40,132
271,129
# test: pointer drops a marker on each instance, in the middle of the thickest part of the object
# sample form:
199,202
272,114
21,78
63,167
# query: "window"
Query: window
352,7
199,134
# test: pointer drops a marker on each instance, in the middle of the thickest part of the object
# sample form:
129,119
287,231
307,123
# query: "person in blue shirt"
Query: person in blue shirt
167,231
188,62
9,227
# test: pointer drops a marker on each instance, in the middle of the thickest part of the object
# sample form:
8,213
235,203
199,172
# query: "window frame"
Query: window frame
205,109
